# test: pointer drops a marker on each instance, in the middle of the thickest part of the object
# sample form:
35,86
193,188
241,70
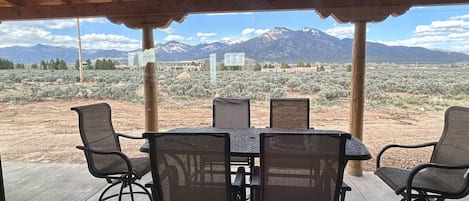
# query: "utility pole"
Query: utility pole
80,62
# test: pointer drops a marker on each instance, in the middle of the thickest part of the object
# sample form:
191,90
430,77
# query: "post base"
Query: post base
357,172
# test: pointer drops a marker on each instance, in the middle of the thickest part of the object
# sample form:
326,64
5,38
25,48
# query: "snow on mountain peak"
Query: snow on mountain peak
275,33
310,30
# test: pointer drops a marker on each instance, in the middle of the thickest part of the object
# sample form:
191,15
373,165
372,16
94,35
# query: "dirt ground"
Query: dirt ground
47,132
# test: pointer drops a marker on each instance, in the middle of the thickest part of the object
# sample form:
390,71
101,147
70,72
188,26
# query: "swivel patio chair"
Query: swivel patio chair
289,113
445,176
301,166
103,152
193,166
232,112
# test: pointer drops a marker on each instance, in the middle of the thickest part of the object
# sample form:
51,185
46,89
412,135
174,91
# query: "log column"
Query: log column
150,83
357,97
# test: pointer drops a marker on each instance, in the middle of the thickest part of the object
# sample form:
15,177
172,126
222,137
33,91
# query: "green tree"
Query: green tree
223,67
349,67
284,65
308,65
300,64
19,66
77,65
88,64
34,66
43,65
6,64
257,67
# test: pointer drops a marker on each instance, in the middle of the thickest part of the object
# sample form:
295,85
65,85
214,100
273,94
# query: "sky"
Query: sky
440,27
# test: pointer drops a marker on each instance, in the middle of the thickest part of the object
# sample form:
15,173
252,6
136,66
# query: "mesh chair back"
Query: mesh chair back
452,148
297,167
289,113
231,113
96,132
190,166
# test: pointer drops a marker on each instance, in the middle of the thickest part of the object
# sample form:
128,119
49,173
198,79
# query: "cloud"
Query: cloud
17,34
451,34
168,30
461,17
25,34
109,41
249,31
200,34
442,27
174,37
341,31
204,36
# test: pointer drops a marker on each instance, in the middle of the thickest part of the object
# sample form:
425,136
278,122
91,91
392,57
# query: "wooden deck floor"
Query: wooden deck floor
70,182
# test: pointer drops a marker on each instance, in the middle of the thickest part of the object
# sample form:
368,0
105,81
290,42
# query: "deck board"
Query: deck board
51,182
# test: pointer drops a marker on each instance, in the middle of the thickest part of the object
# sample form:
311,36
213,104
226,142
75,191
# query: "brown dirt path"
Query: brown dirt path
48,132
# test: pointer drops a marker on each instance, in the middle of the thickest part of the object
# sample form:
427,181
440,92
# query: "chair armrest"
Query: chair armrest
421,167
120,154
378,158
238,186
240,179
129,136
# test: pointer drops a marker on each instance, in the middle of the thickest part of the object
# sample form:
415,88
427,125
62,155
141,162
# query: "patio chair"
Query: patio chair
193,166
445,176
289,113
232,112
301,166
103,152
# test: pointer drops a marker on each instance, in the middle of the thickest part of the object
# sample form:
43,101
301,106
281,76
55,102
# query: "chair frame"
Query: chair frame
237,191
127,178
243,161
422,194
341,187
290,99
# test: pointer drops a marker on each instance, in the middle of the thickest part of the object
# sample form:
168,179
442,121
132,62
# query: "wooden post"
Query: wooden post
150,84
80,62
357,97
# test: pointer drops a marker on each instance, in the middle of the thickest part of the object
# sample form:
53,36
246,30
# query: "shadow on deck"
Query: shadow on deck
60,182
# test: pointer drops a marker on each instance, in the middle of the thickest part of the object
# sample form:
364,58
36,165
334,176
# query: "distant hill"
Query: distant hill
279,45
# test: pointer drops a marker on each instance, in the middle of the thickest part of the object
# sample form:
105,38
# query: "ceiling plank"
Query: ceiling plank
180,7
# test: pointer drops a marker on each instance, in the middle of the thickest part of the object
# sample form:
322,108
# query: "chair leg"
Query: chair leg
125,183
105,190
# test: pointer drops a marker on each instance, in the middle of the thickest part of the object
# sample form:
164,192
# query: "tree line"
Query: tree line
60,64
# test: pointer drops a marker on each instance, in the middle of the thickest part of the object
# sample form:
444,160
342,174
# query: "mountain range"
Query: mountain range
277,45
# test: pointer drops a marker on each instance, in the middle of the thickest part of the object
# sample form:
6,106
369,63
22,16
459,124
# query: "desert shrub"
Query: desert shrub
199,91
278,93
293,83
309,88
333,93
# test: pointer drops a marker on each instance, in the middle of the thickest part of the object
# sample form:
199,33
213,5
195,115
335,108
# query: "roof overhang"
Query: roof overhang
160,13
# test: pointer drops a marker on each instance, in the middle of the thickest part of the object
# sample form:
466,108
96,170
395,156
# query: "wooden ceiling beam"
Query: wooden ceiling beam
182,7
153,21
17,2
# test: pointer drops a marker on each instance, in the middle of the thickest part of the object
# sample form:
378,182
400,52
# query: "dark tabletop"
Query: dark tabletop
245,141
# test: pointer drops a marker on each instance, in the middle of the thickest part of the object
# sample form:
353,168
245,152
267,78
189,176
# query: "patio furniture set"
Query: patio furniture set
287,161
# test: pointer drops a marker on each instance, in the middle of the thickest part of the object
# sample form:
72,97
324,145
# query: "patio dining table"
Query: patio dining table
246,141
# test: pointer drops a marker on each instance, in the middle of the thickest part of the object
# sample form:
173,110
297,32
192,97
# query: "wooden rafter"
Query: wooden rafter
153,21
44,9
